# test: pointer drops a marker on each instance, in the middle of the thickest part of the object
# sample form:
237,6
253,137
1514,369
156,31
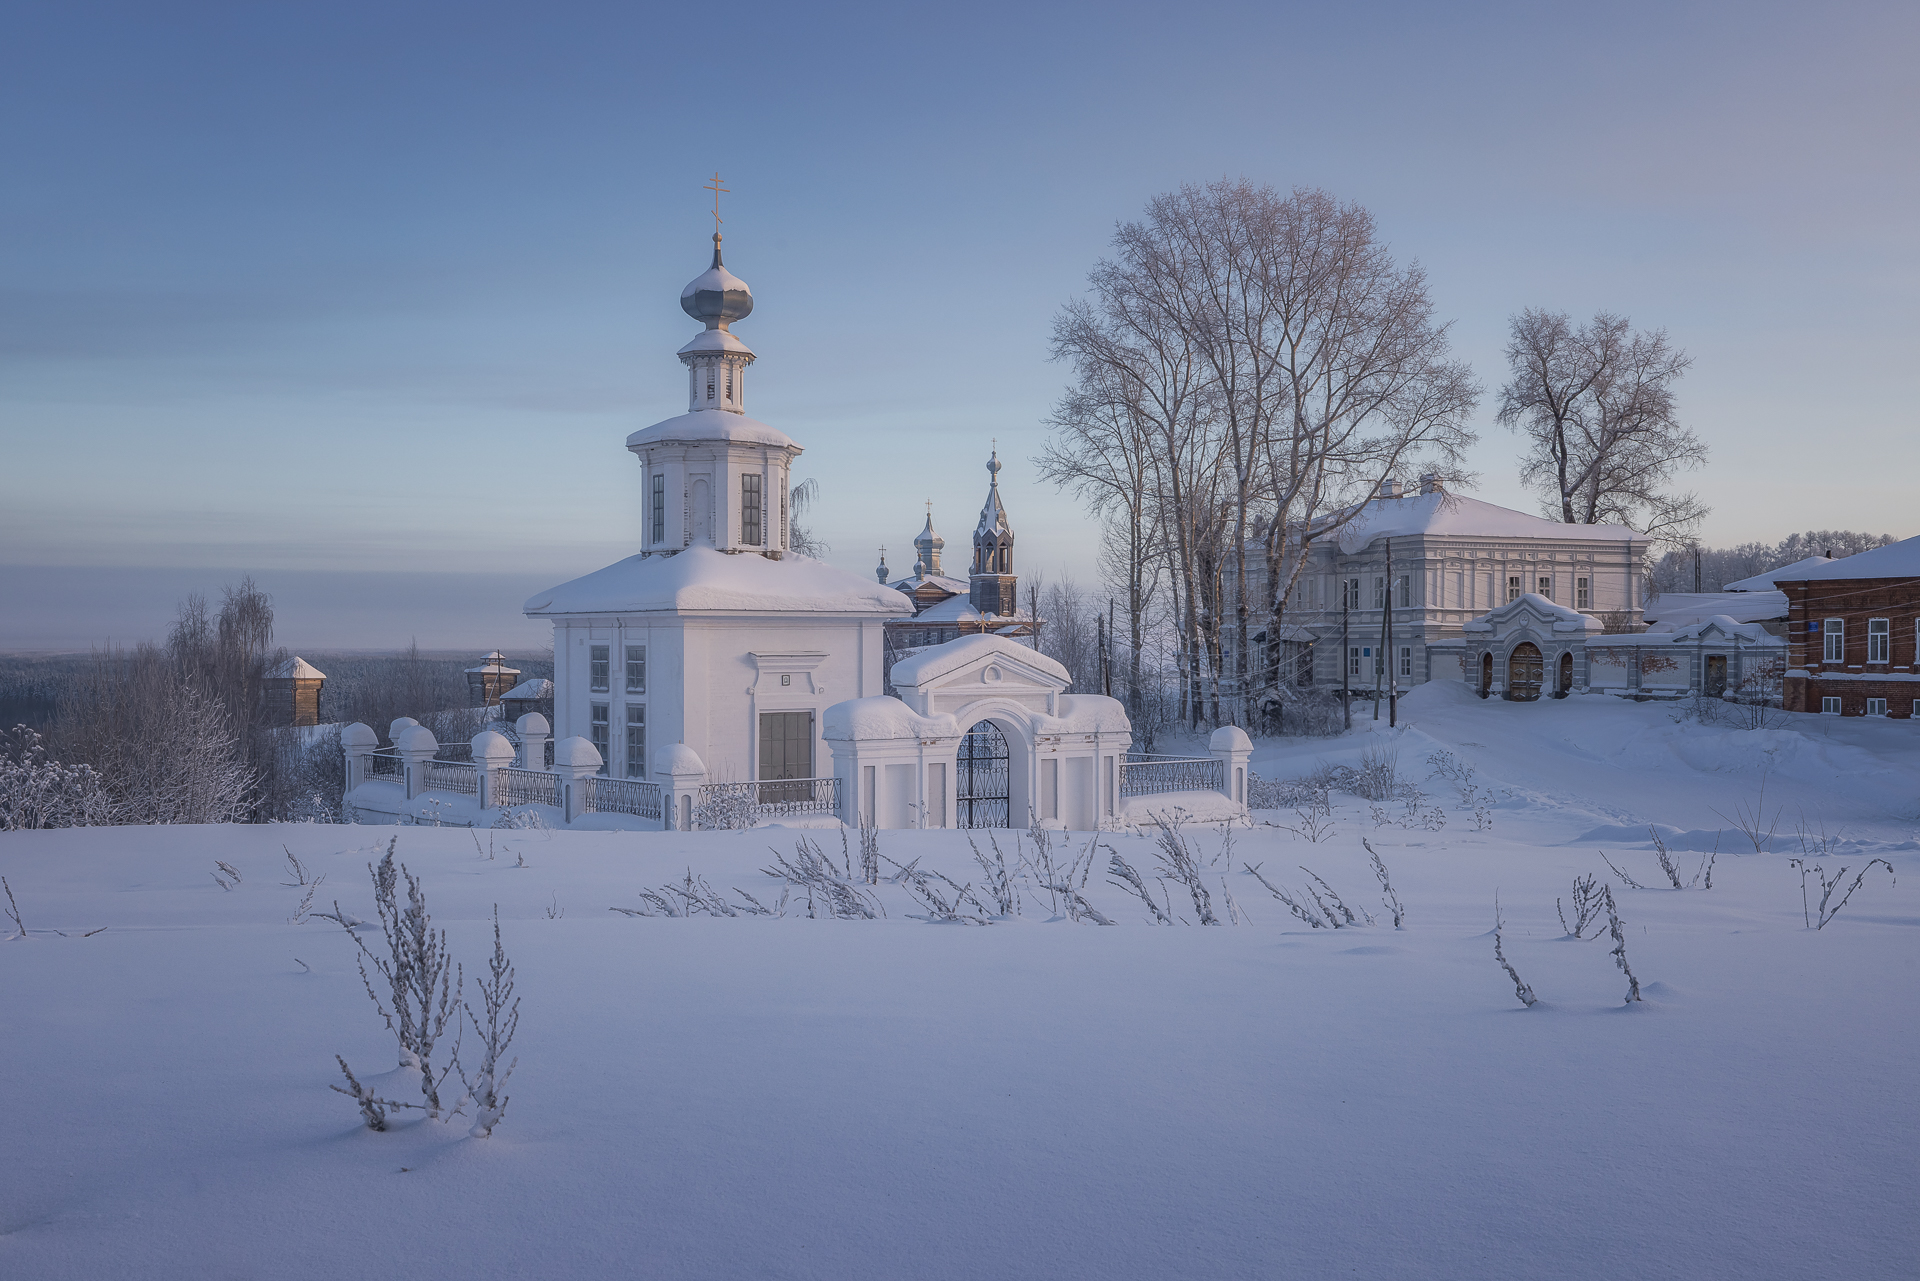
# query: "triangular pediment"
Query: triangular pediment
941,678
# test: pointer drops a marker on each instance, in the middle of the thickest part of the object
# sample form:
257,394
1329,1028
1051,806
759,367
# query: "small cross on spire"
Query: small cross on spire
716,189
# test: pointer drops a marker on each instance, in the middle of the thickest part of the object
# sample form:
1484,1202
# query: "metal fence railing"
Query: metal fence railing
384,764
776,797
621,796
525,787
452,776
1143,775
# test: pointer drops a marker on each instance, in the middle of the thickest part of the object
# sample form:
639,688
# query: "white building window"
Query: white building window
1513,587
1406,661
1879,640
659,507
1876,707
1835,632
1353,662
1406,591
750,509
636,740
1546,588
597,726
1829,706
1582,597
636,669
1379,591
597,669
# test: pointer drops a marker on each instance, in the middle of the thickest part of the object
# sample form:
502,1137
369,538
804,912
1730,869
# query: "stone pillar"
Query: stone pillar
356,740
534,733
416,746
491,752
575,760
1232,748
682,772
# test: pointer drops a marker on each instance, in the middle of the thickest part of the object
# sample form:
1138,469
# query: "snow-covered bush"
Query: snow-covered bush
37,792
726,807
486,1088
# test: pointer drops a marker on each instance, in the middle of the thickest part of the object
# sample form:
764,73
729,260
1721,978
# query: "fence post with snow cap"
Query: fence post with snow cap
415,745
683,771
534,733
356,740
575,760
1232,748
491,753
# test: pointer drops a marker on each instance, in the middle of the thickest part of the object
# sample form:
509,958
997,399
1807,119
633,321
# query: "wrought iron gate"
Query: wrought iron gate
982,774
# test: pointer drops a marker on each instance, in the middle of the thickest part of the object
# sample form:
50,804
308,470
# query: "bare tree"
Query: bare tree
1597,407
800,538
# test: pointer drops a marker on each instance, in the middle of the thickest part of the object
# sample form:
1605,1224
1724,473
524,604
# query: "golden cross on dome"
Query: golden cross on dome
716,189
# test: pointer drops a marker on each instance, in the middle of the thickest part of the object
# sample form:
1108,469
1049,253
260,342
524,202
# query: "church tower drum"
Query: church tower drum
993,588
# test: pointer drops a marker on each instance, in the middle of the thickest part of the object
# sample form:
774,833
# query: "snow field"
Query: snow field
828,1098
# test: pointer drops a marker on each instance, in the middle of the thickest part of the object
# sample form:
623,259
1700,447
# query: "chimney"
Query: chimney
1430,483
1389,488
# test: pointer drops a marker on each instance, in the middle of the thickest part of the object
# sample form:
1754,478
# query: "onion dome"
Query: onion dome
716,296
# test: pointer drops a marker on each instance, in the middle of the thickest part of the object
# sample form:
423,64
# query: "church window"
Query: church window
1835,634
659,507
597,669
1406,661
1379,591
1406,591
750,510
709,382
636,669
1879,640
1513,587
1582,594
1546,588
636,740
598,725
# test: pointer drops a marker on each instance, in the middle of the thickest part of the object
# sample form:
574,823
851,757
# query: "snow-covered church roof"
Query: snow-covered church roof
1454,514
1895,560
702,578
712,424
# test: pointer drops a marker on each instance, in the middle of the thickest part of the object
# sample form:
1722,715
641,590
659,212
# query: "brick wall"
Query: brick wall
1852,679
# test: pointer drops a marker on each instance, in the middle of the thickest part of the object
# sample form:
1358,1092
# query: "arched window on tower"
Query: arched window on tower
709,382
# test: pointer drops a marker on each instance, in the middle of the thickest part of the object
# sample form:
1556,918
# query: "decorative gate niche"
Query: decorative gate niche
983,795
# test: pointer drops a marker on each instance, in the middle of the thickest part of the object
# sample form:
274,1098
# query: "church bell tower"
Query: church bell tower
993,589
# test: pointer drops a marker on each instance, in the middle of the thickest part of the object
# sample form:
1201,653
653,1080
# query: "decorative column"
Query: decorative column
683,771
491,751
575,760
416,746
534,733
356,740
1232,748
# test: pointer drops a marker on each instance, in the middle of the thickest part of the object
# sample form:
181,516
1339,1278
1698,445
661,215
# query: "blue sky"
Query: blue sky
315,290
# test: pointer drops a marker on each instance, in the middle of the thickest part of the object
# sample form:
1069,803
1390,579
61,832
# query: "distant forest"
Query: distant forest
358,685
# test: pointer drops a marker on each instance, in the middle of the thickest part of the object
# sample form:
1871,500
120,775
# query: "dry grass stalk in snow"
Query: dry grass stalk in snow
1620,946
813,872
421,978
1318,920
13,910
1818,915
1752,820
486,1088
227,877
1130,881
997,880
1521,988
1391,899
1171,848
1587,905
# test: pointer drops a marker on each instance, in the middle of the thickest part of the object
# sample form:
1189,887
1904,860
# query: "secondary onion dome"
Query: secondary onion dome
716,296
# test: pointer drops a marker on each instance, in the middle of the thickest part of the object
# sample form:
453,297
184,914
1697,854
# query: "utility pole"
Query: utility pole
1696,568
1346,661
1393,660
1386,616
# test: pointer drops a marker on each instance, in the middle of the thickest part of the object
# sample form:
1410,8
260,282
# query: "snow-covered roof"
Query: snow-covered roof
701,578
715,340
883,716
952,586
1559,616
1454,514
959,609
296,668
538,687
711,424
1677,609
938,660
1895,560
1746,633
495,663
1765,582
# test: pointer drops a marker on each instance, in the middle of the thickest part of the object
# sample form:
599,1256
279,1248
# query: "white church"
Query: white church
717,678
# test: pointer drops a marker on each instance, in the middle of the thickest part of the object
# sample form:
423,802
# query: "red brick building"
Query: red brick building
1853,632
